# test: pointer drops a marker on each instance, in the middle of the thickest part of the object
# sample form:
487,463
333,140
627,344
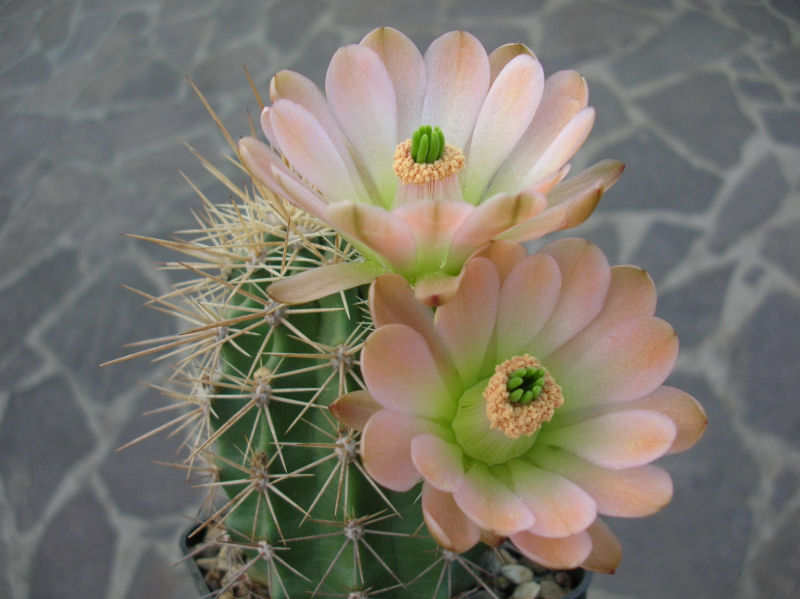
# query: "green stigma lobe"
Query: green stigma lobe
427,144
524,385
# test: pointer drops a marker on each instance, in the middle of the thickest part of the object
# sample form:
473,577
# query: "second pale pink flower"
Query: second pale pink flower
509,134
530,403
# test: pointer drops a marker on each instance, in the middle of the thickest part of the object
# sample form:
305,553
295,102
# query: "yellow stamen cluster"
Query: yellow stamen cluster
516,419
419,173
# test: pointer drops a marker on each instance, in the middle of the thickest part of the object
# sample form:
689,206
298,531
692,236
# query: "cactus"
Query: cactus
286,481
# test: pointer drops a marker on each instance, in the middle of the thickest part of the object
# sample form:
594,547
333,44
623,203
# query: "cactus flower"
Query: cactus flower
419,161
528,404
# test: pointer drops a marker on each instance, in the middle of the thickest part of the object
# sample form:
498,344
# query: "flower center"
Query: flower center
426,158
521,396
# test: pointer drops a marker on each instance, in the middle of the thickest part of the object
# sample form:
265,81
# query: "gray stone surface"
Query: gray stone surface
76,555
765,345
42,435
701,100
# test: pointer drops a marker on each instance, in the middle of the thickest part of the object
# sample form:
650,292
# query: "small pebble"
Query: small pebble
516,573
527,590
551,590
506,556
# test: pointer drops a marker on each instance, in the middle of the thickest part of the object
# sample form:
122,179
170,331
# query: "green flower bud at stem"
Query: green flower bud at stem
519,373
527,397
516,395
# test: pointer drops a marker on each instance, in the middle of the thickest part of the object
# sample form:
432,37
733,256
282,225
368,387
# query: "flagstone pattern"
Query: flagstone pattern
701,100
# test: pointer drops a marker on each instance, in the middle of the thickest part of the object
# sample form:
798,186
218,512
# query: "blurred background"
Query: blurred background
701,100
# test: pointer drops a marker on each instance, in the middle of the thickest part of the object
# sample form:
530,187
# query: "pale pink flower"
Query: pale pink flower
509,134
440,403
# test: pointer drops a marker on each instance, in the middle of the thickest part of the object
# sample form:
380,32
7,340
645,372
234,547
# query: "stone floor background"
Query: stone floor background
700,98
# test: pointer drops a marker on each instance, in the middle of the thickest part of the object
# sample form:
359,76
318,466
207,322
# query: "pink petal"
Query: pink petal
436,289
563,553
615,440
684,410
585,277
391,238
448,525
322,281
598,177
491,504
263,164
489,219
299,193
504,254
288,85
628,361
353,410
504,54
361,95
561,508
406,69
563,147
391,301
310,150
458,79
401,374
433,223
439,462
519,319
606,552
565,94
631,293
508,109
466,322
386,448
630,492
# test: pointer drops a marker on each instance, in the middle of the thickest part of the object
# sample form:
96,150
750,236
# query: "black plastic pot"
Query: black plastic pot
580,578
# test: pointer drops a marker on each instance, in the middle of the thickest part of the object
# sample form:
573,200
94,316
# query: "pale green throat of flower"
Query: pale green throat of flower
498,419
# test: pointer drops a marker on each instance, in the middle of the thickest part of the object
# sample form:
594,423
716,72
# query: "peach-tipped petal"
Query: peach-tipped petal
467,321
288,85
606,552
448,525
615,440
458,79
398,352
433,223
490,218
436,289
562,553
518,319
585,277
353,410
563,147
504,54
439,462
599,177
322,281
406,68
386,447
504,254
298,194
631,293
508,109
565,94
628,361
310,151
684,410
263,164
627,493
389,237
561,508
361,95
490,503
